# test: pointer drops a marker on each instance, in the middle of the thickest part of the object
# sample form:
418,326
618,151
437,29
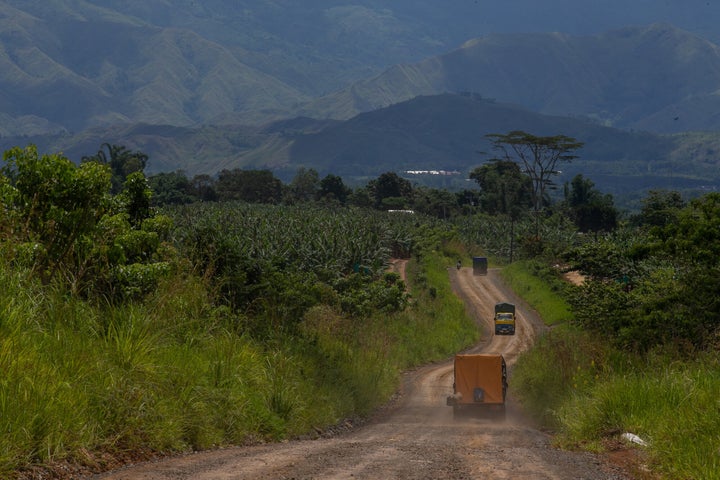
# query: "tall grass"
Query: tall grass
671,405
79,379
178,372
588,392
438,325
42,414
540,287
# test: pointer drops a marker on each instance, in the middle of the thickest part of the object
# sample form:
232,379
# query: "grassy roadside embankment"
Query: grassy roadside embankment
590,394
87,387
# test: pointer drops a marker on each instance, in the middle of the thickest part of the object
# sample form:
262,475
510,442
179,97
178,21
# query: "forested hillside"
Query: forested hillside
74,65
656,78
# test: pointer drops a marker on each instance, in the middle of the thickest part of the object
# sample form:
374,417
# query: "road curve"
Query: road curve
417,438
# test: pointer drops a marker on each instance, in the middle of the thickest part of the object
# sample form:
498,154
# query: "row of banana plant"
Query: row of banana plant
507,239
295,238
257,256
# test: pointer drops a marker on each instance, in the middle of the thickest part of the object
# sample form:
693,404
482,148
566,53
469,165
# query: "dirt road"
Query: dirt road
418,438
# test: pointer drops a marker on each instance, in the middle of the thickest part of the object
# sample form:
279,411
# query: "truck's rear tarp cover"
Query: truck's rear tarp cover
479,370
504,307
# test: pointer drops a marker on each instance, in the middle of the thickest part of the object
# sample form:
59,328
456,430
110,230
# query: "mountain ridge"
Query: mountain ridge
201,87
506,66
70,65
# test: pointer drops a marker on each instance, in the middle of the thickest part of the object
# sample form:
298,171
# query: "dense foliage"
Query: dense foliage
590,392
61,221
126,330
143,313
654,284
266,259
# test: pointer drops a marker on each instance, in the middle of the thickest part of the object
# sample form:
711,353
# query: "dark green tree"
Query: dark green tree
333,188
50,205
135,198
361,197
435,202
469,199
691,241
60,221
694,235
171,188
122,163
252,186
304,186
202,187
504,189
588,207
675,273
390,190
660,208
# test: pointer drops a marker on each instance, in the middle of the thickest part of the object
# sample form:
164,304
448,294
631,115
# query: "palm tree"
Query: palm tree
122,162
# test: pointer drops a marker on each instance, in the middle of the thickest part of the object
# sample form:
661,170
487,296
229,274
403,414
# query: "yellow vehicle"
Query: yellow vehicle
480,384
504,319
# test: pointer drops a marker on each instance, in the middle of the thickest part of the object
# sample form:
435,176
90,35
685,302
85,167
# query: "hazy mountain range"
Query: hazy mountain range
656,78
358,87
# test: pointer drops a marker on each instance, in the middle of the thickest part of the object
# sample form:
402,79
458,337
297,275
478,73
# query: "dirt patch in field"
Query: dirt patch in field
574,277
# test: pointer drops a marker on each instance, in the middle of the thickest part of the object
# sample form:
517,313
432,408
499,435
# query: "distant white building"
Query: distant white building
432,172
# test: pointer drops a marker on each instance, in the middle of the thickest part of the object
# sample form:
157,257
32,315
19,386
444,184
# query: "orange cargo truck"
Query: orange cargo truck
480,384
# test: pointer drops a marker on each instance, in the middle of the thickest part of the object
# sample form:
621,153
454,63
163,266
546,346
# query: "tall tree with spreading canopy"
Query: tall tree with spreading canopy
539,158
504,190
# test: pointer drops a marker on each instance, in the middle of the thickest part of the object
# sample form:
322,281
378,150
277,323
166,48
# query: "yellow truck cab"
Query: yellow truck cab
504,319
480,384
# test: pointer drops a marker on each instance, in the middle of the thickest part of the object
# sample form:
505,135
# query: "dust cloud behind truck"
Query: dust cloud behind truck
504,319
480,384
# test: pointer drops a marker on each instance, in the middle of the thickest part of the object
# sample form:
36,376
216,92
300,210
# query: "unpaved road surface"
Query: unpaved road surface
416,438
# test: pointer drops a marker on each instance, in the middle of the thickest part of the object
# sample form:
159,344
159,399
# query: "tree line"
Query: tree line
514,183
98,226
